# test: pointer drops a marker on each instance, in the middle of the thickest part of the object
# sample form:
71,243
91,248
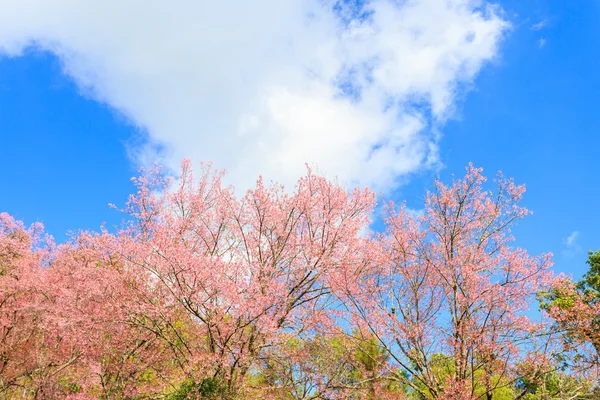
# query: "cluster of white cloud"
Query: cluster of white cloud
356,88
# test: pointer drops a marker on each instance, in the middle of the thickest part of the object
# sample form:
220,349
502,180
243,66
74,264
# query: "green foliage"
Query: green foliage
207,388
557,385
67,385
351,366
370,354
443,367
591,280
555,297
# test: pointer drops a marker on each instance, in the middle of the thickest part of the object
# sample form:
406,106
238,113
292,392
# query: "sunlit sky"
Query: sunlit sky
386,94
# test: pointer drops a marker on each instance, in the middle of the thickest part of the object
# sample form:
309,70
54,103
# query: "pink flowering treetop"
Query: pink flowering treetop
237,276
31,347
446,294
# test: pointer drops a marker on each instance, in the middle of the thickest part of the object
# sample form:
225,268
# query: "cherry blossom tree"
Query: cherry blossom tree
32,352
239,273
447,296
97,302
67,318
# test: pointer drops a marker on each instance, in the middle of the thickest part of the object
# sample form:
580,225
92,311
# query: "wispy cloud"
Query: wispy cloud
540,25
571,240
355,88
571,245
542,43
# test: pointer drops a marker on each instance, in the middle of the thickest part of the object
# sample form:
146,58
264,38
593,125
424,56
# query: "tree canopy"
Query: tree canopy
290,295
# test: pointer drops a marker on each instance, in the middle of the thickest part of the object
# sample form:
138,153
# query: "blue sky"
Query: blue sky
71,140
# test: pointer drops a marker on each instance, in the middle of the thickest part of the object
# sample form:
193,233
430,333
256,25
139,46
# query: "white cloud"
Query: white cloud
571,244
542,43
265,86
